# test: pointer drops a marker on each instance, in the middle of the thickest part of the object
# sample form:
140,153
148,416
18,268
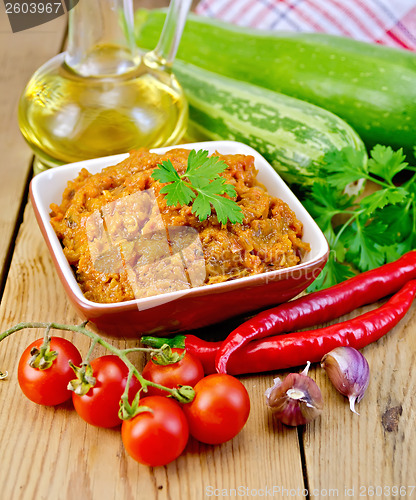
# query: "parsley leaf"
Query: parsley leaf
333,273
393,252
398,220
383,197
362,241
324,203
385,162
224,207
202,185
166,172
344,167
202,167
177,191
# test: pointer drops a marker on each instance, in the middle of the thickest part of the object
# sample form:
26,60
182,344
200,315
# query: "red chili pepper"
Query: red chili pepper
319,307
295,349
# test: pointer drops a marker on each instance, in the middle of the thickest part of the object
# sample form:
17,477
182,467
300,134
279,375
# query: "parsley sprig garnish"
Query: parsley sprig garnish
376,228
202,185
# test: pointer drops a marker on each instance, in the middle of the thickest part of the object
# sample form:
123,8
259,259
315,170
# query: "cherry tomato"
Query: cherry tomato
219,410
157,437
48,387
101,404
187,371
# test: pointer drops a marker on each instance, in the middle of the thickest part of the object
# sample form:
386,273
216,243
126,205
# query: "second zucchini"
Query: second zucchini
291,134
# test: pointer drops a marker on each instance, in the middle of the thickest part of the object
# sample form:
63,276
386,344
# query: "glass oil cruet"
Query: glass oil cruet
104,96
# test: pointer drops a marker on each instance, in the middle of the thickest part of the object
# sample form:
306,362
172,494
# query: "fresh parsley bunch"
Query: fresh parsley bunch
364,232
202,185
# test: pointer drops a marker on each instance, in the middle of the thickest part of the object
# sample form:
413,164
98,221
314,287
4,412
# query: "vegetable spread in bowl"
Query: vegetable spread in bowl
124,241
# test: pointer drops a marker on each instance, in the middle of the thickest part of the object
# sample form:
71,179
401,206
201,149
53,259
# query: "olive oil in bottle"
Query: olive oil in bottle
103,96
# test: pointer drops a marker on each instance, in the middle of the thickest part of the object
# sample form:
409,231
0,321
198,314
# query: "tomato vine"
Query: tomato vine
183,394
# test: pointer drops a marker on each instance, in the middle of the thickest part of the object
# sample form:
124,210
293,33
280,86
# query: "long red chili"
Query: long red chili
294,349
319,307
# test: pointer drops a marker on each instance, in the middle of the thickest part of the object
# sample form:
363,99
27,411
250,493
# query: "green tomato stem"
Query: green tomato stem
141,349
92,346
42,358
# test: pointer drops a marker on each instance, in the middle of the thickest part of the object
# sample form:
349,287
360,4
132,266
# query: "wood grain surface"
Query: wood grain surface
20,55
50,453
377,448
54,446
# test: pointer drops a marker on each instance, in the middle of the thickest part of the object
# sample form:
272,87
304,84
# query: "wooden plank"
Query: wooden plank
375,449
51,453
20,55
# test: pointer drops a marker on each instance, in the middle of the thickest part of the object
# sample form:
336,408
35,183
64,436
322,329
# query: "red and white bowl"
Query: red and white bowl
195,307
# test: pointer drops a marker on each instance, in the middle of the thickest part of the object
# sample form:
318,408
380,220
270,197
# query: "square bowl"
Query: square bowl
194,307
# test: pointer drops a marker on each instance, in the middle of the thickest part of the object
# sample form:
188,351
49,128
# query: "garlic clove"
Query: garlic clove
295,400
349,372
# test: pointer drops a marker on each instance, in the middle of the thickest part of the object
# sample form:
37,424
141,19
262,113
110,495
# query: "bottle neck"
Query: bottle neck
101,38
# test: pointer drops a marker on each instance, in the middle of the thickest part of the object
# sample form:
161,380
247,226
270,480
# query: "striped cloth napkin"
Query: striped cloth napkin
388,22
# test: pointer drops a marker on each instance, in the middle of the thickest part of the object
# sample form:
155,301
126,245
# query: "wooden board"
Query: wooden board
90,463
50,453
375,449
342,450
20,55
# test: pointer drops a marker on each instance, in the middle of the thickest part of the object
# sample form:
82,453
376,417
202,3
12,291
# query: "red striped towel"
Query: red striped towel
389,22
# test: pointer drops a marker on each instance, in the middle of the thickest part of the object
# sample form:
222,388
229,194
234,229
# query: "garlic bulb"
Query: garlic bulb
348,370
296,400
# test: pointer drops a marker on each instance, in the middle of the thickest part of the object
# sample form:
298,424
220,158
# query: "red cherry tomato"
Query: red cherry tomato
187,371
48,387
101,404
219,410
158,437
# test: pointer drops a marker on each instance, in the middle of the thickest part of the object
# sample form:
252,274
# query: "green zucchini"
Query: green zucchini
370,86
291,134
